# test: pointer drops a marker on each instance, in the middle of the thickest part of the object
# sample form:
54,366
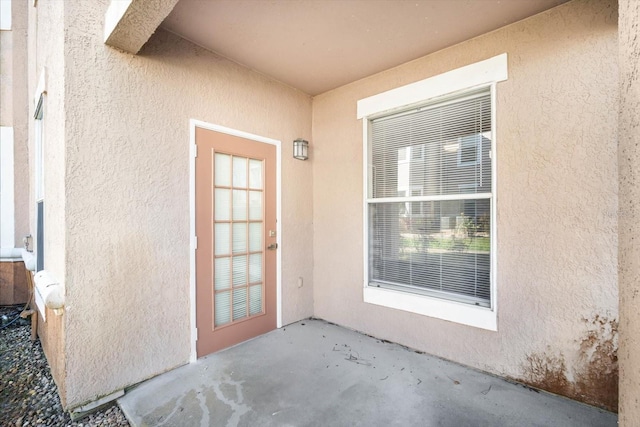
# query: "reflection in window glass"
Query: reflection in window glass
433,242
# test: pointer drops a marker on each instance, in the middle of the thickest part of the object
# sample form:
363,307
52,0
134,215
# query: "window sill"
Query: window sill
478,317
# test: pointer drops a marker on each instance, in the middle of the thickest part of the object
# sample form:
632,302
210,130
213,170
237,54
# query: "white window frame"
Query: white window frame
39,149
39,187
39,102
480,74
38,116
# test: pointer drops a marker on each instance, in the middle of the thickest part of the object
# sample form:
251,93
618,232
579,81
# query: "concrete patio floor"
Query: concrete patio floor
313,373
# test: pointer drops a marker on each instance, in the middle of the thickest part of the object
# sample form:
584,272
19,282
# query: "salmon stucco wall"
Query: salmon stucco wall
556,206
46,39
629,212
127,195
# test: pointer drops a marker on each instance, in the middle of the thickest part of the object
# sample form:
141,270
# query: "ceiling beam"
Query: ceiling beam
128,24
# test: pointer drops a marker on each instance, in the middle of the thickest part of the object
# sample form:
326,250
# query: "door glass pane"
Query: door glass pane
255,236
255,268
222,273
239,303
255,174
222,238
235,237
240,172
222,306
255,205
222,201
239,205
239,270
239,237
223,170
255,299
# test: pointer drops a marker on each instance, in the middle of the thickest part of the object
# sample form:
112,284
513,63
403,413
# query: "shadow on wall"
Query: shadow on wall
595,374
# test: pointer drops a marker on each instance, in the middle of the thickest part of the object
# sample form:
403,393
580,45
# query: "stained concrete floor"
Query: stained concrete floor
313,373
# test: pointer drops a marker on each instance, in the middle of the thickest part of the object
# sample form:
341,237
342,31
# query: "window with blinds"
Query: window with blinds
429,202
39,187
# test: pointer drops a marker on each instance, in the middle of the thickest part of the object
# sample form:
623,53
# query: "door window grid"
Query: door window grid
238,236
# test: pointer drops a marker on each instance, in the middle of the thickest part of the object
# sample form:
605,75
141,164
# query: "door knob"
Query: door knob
272,247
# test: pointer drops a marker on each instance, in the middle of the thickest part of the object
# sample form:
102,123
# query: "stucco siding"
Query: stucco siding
13,112
20,100
556,206
6,74
127,195
629,212
45,44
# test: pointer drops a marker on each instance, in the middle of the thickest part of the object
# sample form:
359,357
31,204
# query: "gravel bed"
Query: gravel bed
28,394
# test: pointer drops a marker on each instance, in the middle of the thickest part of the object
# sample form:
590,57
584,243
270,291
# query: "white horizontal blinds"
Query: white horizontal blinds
238,241
430,199
436,150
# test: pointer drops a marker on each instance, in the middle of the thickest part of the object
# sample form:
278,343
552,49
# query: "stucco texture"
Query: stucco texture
45,43
138,23
124,136
556,206
117,199
13,110
20,122
629,212
6,74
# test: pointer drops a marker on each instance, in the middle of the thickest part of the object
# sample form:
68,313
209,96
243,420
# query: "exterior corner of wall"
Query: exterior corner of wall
133,240
20,120
628,208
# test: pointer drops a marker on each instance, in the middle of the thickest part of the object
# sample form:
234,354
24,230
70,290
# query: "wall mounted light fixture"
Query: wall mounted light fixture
301,149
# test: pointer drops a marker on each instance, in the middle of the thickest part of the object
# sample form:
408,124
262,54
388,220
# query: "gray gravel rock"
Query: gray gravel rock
28,394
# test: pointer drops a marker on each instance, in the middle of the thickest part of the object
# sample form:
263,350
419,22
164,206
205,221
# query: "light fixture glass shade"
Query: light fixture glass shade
301,149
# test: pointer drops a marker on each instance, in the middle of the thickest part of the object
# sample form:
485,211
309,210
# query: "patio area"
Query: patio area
313,373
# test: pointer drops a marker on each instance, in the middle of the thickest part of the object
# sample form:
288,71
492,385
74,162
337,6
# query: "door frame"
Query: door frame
193,124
